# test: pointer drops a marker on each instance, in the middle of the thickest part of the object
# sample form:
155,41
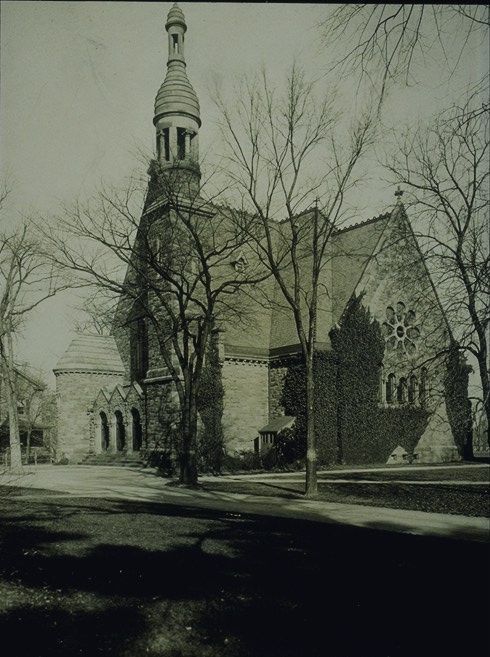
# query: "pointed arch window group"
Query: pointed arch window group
410,389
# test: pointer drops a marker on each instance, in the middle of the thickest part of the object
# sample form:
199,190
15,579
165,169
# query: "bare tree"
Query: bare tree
169,268
97,313
284,153
32,398
386,43
445,168
26,281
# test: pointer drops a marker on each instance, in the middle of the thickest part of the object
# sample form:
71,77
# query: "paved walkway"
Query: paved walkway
143,485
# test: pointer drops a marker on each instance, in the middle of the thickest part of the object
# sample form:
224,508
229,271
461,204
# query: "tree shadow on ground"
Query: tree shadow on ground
130,579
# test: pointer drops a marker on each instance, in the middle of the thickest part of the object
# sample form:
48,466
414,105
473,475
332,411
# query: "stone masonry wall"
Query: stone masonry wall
246,407
75,394
397,279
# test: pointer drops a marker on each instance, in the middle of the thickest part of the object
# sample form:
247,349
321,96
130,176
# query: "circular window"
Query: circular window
399,329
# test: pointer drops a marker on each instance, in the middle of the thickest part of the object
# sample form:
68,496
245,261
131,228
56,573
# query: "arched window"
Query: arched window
413,385
401,391
390,389
104,431
137,430
163,145
380,383
181,150
139,349
399,329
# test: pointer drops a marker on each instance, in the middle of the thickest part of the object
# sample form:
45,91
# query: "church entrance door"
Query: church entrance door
120,431
137,431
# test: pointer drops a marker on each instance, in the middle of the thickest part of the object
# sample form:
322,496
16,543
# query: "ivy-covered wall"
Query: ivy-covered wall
294,403
358,349
210,407
458,405
352,426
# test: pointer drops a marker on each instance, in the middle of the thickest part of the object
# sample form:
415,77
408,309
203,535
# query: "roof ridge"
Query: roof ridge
380,217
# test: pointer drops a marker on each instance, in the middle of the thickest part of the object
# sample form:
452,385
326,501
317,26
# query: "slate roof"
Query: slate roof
352,249
91,353
274,329
275,426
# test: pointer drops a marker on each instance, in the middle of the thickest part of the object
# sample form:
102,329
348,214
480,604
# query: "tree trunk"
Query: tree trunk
11,394
28,446
188,465
311,489
468,454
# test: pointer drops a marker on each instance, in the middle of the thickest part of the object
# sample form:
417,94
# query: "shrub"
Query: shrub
246,460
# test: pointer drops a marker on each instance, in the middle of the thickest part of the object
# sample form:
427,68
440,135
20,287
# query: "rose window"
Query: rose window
399,329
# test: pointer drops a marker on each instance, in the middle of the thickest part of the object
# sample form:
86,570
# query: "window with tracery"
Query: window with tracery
400,330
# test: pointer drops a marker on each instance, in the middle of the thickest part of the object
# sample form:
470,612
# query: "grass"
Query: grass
386,489
99,577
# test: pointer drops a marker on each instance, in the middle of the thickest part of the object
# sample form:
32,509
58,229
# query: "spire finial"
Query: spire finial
399,193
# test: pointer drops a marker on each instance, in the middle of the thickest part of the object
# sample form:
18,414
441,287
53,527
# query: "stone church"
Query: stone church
115,396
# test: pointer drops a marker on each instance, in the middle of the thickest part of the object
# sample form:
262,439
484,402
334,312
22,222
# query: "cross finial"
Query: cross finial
399,192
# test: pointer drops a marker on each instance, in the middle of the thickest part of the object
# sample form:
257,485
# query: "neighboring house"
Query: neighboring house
114,393
36,409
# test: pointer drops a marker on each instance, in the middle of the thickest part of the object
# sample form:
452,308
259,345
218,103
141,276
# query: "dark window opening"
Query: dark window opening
401,393
166,145
137,430
175,39
104,431
181,143
120,431
139,350
390,388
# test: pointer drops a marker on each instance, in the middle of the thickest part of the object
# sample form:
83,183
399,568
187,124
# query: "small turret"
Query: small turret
177,117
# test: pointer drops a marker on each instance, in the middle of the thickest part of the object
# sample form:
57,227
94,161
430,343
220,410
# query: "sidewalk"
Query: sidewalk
144,486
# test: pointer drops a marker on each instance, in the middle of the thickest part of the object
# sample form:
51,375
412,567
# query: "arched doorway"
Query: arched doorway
137,430
104,431
120,431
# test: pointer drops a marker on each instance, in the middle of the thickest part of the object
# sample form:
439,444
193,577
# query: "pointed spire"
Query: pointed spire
176,95
177,114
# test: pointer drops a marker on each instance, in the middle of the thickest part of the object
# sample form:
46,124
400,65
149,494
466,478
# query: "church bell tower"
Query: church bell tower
177,117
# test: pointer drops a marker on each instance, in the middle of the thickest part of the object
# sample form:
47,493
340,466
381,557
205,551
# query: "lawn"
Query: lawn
387,488
99,577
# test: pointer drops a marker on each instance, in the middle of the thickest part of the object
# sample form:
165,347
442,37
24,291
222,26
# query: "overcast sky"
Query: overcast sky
78,83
